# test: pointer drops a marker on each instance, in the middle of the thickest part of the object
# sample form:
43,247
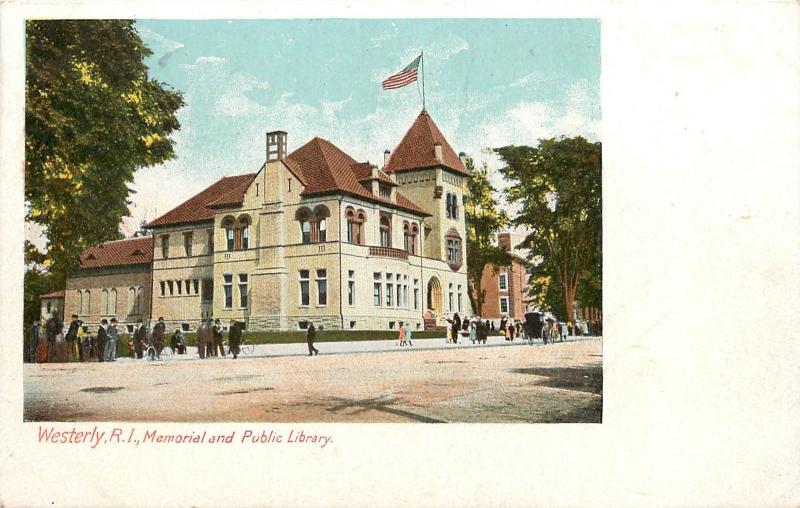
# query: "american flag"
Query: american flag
404,77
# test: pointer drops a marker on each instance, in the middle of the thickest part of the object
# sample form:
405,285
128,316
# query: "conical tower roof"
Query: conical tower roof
416,150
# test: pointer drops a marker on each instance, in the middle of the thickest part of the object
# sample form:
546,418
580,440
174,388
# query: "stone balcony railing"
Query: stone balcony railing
387,252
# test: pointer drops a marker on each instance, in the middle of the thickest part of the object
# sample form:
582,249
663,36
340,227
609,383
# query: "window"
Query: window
352,324
188,285
355,224
228,288
322,287
187,243
384,190
451,206
87,302
323,230
241,234
256,189
453,250
386,232
411,239
504,304
163,288
416,294
303,325
305,299
165,246
450,302
208,290
458,295
104,302
132,300
246,236
391,325
351,287
447,209
305,230
210,241
185,327
399,299
49,305
196,284
112,302
179,286
139,299
289,185
229,239
376,289
503,281
171,289
243,290
389,290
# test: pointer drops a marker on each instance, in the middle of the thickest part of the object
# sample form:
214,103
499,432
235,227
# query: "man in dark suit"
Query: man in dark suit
234,338
139,338
72,340
101,340
311,336
217,346
158,336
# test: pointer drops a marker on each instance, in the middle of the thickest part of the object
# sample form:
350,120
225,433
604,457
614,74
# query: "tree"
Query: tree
558,185
92,118
484,218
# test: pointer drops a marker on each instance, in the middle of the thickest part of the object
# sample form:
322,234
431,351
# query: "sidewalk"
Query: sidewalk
363,346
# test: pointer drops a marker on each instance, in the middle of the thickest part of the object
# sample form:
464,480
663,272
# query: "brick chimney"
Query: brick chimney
276,145
504,241
437,152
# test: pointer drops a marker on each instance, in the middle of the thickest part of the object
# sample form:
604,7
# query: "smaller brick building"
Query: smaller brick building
52,305
114,280
505,291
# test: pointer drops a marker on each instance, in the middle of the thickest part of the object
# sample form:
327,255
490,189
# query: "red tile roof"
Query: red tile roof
327,169
131,251
53,294
416,149
363,172
197,208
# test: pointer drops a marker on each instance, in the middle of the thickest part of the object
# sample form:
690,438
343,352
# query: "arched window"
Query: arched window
112,302
87,302
305,230
410,233
80,302
139,299
320,226
350,216
104,302
228,223
386,231
132,301
406,237
242,234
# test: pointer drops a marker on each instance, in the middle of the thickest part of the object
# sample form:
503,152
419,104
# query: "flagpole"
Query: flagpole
422,58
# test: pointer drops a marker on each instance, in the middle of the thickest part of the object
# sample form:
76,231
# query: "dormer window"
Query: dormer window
384,191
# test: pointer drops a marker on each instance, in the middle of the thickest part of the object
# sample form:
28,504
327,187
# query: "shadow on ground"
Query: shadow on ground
582,379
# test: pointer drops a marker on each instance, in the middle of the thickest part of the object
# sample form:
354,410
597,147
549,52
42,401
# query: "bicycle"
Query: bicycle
246,348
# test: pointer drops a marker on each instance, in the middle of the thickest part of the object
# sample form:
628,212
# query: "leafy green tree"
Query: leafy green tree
558,186
92,118
484,219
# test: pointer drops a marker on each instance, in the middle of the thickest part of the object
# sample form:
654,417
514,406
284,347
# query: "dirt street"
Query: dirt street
555,383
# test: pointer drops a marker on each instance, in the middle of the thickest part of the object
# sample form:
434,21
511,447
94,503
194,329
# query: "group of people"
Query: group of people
210,339
54,342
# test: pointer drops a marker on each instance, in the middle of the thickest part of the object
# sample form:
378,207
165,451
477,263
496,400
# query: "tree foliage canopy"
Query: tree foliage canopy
92,118
558,187
484,219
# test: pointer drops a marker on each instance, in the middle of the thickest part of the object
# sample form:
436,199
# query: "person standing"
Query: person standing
102,336
111,341
482,331
311,335
234,338
203,338
218,346
455,327
158,336
401,335
72,339
33,343
408,336
139,338
473,331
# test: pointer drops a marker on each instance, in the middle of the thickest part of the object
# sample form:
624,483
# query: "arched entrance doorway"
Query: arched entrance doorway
434,299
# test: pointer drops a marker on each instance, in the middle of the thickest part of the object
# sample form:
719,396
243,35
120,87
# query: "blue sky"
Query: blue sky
487,83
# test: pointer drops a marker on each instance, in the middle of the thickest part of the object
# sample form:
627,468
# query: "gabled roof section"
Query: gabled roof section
131,251
416,149
363,172
198,209
53,294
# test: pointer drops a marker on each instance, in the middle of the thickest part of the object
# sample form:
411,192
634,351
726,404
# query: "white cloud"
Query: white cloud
157,42
452,45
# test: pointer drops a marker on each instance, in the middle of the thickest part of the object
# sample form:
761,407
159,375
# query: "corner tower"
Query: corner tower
430,173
